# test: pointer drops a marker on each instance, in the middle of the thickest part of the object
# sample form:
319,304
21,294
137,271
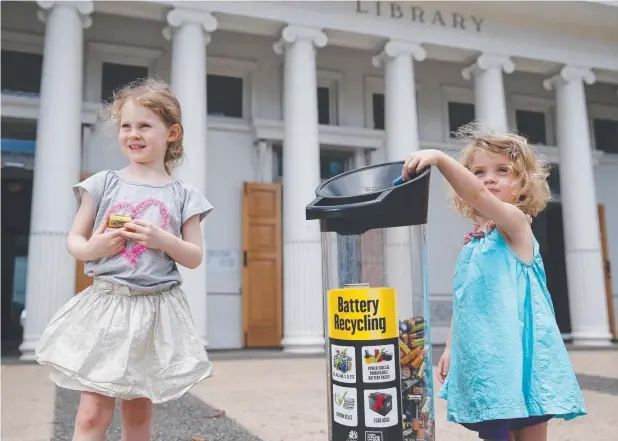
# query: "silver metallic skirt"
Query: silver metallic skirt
127,344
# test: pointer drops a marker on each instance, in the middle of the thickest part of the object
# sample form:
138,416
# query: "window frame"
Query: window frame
22,42
238,68
372,85
601,111
375,84
332,80
277,153
533,104
99,53
457,94
27,43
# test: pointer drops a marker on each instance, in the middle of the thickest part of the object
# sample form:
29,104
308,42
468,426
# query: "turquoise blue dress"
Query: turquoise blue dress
508,359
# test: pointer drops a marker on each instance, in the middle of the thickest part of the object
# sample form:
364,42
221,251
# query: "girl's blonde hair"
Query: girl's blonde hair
532,170
157,96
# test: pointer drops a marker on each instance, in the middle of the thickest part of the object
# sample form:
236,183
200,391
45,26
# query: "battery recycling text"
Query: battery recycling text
367,322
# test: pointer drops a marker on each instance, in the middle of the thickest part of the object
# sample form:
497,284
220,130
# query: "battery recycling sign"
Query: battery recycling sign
364,371
363,314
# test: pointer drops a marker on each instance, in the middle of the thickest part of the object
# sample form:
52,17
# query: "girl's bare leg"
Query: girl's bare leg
94,415
511,437
532,433
136,419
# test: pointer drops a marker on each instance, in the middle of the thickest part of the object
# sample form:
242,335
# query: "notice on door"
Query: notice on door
362,314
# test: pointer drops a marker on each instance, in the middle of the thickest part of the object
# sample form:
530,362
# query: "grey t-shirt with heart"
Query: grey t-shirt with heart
169,206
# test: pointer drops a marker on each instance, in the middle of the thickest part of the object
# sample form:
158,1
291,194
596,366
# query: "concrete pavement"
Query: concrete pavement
271,397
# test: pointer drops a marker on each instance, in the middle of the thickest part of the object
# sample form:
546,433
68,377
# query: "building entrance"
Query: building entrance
16,203
18,146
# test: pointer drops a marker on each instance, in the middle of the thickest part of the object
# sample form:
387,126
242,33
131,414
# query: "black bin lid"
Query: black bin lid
365,199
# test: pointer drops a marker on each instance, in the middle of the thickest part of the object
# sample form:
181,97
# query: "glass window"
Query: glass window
332,163
225,96
323,105
554,180
22,129
531,124
606,135
21,72
278,152
459,114
377,103
115,76
331,166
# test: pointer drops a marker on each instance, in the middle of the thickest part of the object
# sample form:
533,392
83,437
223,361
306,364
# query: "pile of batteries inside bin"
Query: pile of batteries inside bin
417,421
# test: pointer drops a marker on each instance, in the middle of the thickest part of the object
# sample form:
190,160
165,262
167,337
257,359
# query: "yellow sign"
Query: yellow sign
362,314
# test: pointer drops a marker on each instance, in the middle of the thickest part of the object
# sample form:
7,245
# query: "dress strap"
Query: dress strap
477,234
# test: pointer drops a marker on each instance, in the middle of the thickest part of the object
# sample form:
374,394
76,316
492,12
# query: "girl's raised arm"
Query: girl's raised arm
508,218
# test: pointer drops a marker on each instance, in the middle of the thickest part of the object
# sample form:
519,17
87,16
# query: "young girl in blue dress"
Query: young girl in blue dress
505,369
130,336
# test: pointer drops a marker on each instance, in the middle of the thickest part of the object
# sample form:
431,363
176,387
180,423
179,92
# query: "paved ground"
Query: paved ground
270,397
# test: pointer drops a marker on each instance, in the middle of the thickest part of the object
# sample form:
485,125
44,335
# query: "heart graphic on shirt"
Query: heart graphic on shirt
136,211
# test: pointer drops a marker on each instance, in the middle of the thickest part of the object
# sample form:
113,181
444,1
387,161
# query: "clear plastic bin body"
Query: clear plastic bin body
380,386
376,304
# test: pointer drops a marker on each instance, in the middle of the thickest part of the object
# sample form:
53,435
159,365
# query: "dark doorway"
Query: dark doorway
16,201
547,228
18,151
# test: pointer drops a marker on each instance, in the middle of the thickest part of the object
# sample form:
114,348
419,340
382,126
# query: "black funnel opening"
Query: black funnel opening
365,199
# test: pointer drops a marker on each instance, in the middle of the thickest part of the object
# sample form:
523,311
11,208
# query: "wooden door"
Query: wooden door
82,281
262,279
607,271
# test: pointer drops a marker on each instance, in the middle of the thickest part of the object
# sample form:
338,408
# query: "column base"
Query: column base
303,330
598,339
27,349
51,283
303,345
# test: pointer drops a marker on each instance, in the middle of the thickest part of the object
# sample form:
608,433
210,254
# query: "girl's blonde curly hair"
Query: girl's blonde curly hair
157,96
531,169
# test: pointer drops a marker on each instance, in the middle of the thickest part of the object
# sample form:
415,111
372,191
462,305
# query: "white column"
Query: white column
400,114
57,164
189,31
490,104
589,319
403,253
302,284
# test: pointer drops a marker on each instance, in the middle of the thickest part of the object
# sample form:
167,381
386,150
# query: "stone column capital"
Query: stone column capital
487,62
293,33
568,74
395,48
180,16
84,8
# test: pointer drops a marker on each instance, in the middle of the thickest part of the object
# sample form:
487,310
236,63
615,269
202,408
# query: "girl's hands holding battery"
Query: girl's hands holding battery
145,233
105,244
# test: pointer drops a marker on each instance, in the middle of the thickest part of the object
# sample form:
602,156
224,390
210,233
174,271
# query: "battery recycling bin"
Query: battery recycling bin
379,372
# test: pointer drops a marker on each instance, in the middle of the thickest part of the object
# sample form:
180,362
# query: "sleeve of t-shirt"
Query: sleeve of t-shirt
94,185
194,203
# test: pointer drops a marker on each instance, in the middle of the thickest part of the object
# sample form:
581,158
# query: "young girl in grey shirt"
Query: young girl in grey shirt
130,335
